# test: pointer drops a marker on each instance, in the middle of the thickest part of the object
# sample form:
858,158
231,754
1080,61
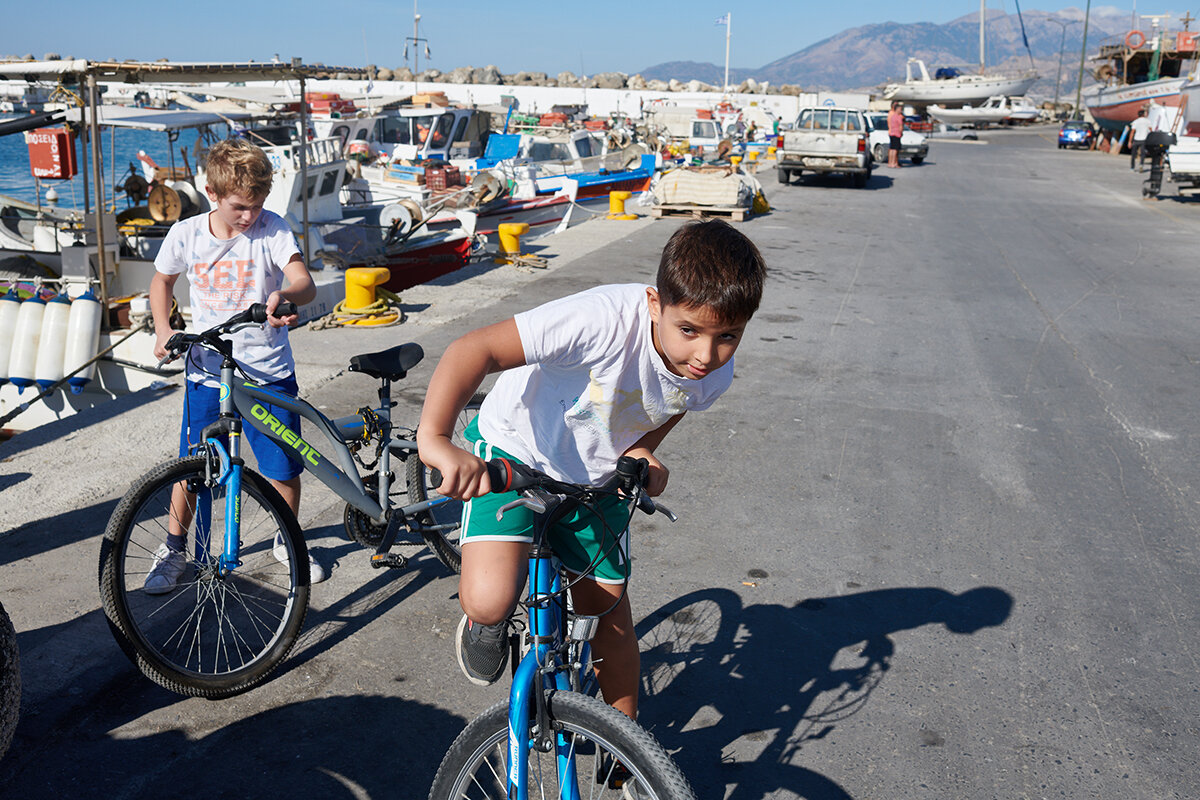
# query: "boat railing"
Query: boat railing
317,152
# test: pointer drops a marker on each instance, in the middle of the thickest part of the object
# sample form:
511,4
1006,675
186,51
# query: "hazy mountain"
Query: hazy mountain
870,55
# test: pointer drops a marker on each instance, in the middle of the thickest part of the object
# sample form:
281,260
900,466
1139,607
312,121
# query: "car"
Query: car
1076,133
913,145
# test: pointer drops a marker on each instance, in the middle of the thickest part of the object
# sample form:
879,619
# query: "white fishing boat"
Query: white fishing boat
992,111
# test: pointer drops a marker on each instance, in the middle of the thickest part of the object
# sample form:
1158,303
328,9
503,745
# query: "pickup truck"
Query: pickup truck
826,140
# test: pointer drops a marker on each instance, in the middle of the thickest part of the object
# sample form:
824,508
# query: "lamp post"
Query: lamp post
1062,43
1082,55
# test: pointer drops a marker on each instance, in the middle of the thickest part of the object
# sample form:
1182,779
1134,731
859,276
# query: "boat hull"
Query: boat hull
1114,107
964,90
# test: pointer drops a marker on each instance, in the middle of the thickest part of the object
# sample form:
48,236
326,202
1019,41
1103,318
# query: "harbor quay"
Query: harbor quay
939,539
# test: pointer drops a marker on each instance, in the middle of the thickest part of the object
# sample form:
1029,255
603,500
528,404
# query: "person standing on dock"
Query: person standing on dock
1139,128
895,131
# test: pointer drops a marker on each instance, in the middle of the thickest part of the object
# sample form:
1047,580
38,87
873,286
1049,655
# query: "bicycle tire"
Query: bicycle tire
10,681
211,636
475,766
440,526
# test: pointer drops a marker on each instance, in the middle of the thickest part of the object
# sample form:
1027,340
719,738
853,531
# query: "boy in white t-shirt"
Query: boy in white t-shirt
586,379
235,255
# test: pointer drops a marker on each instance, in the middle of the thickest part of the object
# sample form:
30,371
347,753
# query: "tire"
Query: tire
476,764
917,159
212,636
860,179
10,681
784,176
881,153
440,525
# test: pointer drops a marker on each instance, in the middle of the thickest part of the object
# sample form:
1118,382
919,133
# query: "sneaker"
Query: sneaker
481,650
165,572
316,573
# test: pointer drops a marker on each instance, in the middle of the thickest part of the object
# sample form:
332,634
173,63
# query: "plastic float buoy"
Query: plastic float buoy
10,307
1135,36
25,342
83,339
52,344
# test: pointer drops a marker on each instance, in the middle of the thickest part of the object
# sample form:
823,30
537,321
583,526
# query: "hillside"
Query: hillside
870,55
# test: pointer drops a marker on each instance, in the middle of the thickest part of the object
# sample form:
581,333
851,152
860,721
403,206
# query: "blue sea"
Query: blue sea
16,179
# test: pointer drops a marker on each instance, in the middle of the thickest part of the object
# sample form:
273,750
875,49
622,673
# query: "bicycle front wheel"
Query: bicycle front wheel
599,738
440,525
211,635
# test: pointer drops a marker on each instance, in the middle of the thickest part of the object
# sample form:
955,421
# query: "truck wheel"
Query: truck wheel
860,179
783,175
881,153
918,159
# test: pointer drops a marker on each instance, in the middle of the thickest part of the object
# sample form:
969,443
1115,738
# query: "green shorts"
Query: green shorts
587,542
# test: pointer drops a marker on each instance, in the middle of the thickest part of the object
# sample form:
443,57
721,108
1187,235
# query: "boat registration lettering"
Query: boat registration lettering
290,437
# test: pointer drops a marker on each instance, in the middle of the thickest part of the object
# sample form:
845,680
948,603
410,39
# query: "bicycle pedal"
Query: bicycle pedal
389,560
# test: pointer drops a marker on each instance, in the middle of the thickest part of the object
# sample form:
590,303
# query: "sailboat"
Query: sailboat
949,86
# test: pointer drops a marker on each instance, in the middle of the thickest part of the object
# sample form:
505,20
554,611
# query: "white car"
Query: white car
913,145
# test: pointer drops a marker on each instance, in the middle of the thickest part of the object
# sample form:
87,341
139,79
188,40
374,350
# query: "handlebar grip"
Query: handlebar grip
504,475
285,309
258,311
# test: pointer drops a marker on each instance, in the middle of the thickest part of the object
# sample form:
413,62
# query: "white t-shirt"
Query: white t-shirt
1140,127
592,386
226,276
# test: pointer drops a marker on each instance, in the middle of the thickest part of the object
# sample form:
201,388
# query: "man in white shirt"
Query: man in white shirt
1137,143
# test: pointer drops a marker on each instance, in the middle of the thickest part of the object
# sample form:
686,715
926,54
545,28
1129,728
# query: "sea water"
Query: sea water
16,178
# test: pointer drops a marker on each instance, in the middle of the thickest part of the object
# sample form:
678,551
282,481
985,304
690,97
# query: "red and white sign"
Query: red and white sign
51,153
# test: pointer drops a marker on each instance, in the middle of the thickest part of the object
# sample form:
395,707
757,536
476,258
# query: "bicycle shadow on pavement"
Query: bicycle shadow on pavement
736,691
332,747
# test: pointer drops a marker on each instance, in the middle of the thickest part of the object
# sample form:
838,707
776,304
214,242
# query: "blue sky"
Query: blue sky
583,37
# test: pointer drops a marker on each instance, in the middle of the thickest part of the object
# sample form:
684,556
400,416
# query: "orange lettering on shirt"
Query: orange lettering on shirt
245,274
221,275
200,275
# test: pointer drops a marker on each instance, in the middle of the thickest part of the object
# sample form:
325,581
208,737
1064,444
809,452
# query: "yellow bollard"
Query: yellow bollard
616,205
752,155
510,240
771,149
361,283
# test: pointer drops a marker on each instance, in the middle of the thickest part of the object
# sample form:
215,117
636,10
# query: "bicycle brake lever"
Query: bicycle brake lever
534,504
660,508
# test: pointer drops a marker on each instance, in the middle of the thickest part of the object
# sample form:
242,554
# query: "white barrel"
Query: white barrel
52,346
23,356
83,339
10,307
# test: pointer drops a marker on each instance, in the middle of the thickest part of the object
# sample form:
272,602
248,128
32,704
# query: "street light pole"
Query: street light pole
1082,55
1061,44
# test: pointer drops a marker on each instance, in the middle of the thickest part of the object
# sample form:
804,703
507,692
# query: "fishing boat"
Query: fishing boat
1137,69
994,110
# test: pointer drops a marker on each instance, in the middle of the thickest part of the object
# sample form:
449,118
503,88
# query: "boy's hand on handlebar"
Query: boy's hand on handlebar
656,480
463,475
274,299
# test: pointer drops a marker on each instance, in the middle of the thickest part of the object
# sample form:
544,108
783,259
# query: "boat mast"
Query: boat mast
982,17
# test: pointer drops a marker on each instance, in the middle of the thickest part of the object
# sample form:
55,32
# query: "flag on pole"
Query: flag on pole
724,20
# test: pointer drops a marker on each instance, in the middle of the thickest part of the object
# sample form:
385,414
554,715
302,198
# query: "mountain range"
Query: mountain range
865,57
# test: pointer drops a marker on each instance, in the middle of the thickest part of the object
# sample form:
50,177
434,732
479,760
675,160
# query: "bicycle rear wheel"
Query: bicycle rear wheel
10,681
476,765
211,636
440,525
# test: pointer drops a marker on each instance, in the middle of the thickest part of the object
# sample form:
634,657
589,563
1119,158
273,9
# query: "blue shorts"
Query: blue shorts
202,406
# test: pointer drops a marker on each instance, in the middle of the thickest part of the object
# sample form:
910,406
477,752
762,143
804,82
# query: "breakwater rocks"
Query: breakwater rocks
492,76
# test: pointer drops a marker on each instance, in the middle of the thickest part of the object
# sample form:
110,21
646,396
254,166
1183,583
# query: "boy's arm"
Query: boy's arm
300,290
656,483
162,287
459,373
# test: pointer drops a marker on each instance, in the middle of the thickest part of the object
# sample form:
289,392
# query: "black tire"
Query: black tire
881,153
784,175
211,636
440,525
475,766
860,179
10,681
917,159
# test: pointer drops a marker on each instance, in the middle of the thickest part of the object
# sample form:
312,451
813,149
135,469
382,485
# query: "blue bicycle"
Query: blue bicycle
553,737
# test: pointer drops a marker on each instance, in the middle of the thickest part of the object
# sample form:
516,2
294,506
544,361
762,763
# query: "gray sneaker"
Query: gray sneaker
168,567
316,573
481,650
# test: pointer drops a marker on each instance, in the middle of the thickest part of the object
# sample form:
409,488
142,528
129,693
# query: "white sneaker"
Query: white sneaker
168,567
316,573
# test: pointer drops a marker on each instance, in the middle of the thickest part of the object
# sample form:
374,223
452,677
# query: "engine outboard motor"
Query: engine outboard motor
1156,146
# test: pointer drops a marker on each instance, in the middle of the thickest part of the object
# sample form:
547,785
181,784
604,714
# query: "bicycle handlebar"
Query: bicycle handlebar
255,314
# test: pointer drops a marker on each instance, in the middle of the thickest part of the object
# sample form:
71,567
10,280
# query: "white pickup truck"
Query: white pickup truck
826,140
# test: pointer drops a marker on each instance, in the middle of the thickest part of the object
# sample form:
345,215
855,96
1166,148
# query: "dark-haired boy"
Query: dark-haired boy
586,379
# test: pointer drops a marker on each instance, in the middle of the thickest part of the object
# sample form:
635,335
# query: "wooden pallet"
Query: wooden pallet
735,213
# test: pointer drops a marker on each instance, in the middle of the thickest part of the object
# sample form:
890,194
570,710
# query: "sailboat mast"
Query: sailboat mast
982,60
